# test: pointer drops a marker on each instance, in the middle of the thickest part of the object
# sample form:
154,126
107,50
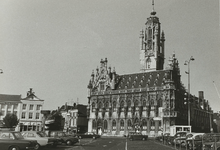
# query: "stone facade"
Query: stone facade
149,101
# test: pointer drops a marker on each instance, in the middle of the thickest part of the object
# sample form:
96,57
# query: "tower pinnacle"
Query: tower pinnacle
153,12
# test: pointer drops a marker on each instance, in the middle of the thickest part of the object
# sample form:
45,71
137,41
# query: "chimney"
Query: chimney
201,95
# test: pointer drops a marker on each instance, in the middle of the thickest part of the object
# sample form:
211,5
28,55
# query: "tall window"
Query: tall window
122,125
31,107
136,103
144,124
113,125
24,106
114,106
152,124
15,106
129,103
148,62
37,115
100,105
94,125
129,125
30,115
38,107
93,106
102,86
105,126
144,103
122,104
23,115
106,105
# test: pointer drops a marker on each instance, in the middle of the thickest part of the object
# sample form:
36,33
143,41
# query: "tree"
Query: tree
10,120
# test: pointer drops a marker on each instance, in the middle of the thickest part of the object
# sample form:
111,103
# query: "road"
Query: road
115,143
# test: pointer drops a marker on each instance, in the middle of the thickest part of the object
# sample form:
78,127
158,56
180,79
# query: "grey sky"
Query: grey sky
52,46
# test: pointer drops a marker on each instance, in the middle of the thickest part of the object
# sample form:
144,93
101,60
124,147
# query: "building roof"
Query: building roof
9,98
142,80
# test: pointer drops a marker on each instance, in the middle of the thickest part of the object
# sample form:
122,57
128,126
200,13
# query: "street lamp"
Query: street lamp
188,63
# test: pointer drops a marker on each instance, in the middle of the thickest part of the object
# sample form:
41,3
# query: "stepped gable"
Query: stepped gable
142,80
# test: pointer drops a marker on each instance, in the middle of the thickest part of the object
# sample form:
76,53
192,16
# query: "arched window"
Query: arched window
129,103
148,63
144,124
122,125
114,106
106,105
93,106
160,103
136,103
144,103
160,127
152,124
113,125
105,126
100,105
129,125
122,104
94,125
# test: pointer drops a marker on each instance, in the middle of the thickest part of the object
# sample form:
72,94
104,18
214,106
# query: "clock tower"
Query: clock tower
152,45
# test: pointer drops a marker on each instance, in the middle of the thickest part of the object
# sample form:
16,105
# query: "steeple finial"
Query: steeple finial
153,12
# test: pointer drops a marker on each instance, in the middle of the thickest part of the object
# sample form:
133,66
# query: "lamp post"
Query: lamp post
188,63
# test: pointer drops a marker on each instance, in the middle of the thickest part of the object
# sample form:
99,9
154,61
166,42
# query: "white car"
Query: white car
41,139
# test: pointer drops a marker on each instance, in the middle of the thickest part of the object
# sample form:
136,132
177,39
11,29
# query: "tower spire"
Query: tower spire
153,12
153,4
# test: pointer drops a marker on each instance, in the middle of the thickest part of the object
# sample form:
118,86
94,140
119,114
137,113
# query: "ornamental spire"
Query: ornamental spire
153,12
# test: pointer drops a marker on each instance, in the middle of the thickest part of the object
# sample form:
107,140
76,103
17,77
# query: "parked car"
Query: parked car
44,134
194,141
211,141
163,137
88,135
137,136
68,140
42,140
12,140
178,138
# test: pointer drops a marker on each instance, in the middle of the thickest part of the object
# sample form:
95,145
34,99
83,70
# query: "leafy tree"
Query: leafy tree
58,121
10,120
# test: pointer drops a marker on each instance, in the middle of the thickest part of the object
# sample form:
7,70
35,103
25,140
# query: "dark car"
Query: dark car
88,135
12,140
68,140
163,137
194,141
137,136
211,141
178,138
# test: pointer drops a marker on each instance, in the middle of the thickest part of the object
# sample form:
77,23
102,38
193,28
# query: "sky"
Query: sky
52,46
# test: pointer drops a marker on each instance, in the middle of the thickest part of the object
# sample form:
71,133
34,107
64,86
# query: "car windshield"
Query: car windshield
42,134
18,135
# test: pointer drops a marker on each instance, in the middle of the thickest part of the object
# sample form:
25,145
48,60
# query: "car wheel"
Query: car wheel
143,139
68,142
14,148
37,146
93,137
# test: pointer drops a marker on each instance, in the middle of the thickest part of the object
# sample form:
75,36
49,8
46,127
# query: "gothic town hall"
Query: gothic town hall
149,101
